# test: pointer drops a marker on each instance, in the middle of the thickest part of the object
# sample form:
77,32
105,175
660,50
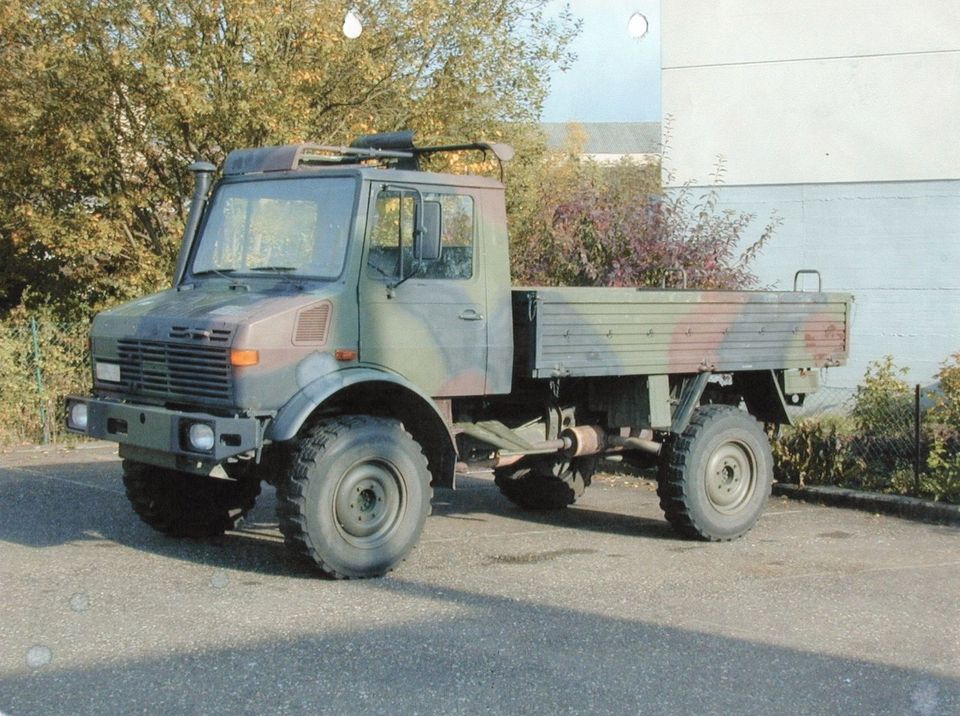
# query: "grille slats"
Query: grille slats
176,371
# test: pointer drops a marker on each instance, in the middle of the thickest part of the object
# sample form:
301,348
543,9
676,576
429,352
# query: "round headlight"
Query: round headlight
201,437
78,416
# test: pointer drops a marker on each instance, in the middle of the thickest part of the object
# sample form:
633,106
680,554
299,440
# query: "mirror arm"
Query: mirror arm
417,231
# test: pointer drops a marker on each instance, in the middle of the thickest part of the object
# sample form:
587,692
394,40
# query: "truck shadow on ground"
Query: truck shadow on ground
475,498
51,505
475,653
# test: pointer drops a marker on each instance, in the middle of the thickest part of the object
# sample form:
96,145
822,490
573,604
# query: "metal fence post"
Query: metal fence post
916,440
39,377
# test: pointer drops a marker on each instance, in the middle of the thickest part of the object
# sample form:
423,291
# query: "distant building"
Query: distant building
609,141
844,118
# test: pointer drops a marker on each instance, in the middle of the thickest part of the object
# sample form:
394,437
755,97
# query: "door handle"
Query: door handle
471,314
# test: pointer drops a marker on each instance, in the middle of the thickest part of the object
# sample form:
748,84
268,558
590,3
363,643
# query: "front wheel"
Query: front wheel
357,496
181,504
716,476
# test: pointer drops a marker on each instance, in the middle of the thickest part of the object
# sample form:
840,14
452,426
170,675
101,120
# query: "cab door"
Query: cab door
424,319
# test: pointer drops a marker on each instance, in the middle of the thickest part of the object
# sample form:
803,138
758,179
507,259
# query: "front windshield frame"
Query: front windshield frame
202,251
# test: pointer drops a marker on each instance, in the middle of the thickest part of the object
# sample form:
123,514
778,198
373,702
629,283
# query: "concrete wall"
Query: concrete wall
894,245
843,116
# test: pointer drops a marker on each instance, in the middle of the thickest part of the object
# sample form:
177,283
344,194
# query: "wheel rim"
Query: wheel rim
369,502
731,476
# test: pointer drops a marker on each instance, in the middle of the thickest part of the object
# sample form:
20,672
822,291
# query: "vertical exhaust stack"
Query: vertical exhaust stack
202,177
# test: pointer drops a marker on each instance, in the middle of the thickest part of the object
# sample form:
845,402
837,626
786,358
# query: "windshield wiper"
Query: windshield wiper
283,272
275,269
222,273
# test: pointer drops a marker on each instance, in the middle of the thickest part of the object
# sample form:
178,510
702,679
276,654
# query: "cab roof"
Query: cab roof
394,150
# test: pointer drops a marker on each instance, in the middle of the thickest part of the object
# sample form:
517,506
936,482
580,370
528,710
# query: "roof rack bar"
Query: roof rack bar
503,152
357,152
291,156
396,147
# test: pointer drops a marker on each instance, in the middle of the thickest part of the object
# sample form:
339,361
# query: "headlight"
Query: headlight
77,416
109,372
201,437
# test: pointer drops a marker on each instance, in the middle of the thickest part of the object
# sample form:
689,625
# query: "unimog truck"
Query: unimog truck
342,326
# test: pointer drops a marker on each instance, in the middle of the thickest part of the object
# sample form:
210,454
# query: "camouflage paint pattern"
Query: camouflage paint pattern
582,332
432,339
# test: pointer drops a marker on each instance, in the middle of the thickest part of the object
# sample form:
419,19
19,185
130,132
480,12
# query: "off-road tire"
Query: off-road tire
357,496
546,484
716,476
181,504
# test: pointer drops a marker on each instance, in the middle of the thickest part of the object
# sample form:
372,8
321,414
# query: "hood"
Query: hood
209,315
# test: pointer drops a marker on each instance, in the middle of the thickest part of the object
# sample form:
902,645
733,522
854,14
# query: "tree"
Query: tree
103,103
613,225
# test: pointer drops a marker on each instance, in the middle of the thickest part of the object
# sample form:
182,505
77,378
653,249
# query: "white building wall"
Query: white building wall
843,117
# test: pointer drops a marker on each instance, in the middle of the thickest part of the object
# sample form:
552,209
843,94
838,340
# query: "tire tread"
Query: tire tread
292,491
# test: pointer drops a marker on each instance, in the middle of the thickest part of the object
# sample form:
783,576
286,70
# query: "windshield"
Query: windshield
281,227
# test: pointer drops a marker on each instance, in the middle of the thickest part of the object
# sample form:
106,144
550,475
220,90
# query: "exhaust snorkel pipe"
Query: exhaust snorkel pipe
202,177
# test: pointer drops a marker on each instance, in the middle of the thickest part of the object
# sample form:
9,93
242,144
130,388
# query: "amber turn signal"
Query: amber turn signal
345,354
242,357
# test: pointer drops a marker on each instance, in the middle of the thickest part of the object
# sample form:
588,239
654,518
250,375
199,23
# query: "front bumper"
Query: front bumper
162,431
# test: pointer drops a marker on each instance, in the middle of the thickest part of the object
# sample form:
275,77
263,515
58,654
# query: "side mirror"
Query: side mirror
426,246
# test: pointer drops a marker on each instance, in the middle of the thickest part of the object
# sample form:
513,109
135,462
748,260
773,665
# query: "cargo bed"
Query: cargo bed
580,332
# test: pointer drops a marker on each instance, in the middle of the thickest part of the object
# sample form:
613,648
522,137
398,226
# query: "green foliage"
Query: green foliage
945,411
30,410
883,413
884,399
814,452
106,102
597,224
874,449
942,478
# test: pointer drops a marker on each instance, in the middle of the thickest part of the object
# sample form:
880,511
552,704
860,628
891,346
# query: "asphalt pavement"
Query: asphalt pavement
599,608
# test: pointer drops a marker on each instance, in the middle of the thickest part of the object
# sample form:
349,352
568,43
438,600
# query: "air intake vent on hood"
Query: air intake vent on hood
312,324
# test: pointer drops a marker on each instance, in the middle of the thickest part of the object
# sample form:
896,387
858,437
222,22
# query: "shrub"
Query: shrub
814,452
612,225
942,477
29,410
874,448
883,413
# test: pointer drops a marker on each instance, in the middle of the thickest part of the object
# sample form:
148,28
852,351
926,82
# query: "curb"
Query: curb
57,447
910,508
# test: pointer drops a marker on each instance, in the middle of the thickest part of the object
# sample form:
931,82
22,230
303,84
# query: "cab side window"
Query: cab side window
391,237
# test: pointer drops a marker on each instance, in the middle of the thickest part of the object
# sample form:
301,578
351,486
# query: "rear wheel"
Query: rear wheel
716,476
357,496
182,504
546,484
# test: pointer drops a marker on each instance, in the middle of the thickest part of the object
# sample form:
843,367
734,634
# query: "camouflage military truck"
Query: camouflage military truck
342,326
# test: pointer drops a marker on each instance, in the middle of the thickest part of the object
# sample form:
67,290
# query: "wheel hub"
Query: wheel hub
731,477
368,502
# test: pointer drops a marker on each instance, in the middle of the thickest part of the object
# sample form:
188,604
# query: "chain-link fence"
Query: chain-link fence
885,436
42,362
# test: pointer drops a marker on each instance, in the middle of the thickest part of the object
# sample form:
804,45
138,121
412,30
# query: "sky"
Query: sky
615,78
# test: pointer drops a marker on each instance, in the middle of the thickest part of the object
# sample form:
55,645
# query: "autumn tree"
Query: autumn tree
613,225
103,103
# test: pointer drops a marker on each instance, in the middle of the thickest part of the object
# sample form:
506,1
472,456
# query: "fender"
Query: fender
296,411
392,395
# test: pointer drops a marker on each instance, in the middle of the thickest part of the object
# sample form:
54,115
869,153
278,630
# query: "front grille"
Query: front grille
175,371
212,335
